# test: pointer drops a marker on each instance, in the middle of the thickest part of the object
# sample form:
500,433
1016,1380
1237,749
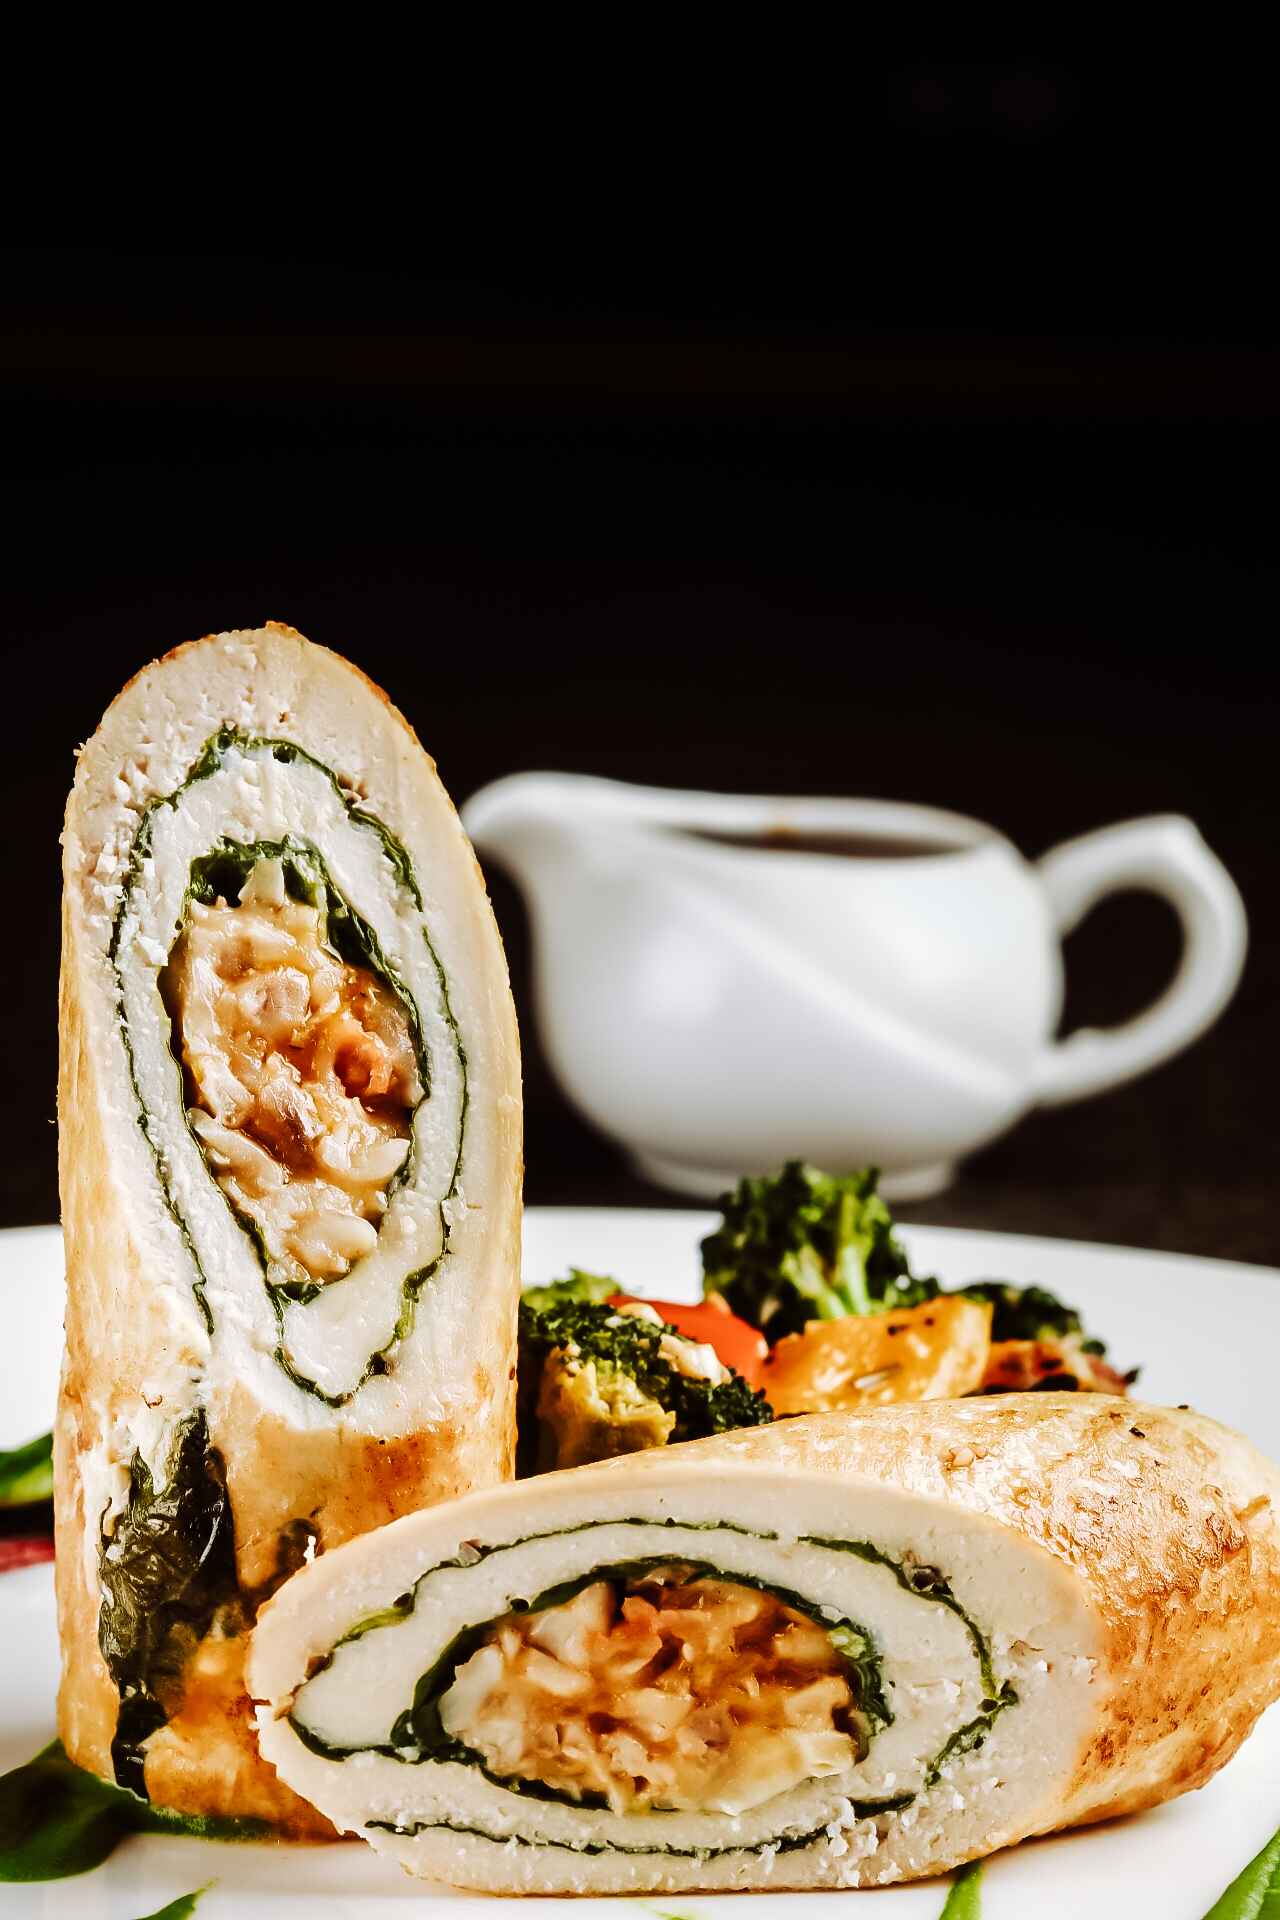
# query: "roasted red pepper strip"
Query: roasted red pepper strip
737,1344
26,1551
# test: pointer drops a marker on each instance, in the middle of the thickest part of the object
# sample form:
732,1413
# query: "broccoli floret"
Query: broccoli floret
588,1410
620,1346
701,1408
1027,1313
597,1331
579,1286
805,1245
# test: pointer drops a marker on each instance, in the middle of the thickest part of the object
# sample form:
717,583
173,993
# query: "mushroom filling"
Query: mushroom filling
300,1072
666,1691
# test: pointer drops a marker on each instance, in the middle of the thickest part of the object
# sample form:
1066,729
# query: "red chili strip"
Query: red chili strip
28,1552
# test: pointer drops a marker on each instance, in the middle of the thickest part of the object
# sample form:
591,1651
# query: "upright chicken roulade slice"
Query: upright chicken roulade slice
839,1651
290,1159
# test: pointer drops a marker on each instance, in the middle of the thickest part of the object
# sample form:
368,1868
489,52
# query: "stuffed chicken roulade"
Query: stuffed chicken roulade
289,1118
839,1651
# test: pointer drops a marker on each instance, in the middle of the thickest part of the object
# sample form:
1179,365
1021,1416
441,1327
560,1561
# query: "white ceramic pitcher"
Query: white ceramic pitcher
719,1005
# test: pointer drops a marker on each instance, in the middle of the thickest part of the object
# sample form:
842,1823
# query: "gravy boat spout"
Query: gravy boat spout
528,817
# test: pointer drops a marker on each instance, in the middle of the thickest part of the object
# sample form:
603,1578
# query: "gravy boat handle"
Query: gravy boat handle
1164,855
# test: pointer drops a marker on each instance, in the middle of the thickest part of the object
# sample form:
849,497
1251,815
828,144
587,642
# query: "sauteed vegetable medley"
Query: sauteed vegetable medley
809,1305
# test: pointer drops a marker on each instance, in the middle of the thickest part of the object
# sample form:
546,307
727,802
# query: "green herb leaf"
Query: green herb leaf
26,1474
56,1820
180,1909
964,1902
1255,1893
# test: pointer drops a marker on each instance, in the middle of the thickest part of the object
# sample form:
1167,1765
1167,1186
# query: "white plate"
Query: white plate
1205,1331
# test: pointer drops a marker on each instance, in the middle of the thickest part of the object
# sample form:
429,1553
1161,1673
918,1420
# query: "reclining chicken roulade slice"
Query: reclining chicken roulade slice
839,1651
290,1161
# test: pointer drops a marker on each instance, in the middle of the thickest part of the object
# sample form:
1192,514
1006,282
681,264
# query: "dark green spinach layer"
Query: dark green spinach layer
928,1584
784,1843
167,1568
168,1574
420,1730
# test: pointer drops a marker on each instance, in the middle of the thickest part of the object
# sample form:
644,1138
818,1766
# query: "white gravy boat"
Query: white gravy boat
719,1006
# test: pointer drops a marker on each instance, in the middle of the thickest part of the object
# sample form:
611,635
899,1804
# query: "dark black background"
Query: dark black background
925,450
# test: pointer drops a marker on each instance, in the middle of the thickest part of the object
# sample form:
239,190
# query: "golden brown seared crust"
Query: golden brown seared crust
206,1759
1172,1520
350,1482
87,1699
124,1316
97,1371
